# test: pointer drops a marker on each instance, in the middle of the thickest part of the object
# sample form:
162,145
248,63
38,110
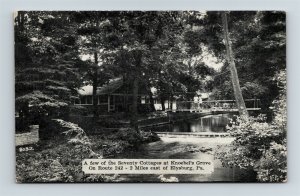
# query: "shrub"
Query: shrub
259,145
78,110
58,161
273,164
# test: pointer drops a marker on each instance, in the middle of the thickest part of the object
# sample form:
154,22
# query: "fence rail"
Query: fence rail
223,105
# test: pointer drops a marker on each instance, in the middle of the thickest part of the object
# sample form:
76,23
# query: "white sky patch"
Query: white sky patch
85,57
41,21
34,39
206,57
153,90
210,60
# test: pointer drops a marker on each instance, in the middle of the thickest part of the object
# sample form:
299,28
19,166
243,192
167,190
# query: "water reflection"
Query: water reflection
211,123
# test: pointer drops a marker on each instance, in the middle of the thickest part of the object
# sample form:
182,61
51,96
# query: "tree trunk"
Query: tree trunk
95,86
152,107
171,101
151,100
135,104
162,100
134,117
234,76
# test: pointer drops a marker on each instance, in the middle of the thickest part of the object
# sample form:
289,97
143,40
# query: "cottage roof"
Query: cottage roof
109,88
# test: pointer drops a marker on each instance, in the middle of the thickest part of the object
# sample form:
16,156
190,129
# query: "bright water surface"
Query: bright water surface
211,123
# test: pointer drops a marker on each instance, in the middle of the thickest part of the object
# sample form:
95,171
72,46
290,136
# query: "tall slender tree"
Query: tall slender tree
234,76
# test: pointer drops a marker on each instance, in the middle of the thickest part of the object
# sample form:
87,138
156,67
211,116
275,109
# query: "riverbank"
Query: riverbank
201,148
59,159
120,120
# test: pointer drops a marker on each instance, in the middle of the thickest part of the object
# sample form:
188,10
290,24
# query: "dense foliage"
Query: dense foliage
60,159
260,145
46,54
259,44
157,49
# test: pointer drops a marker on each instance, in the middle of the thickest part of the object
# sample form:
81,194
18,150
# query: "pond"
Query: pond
188,148
210,123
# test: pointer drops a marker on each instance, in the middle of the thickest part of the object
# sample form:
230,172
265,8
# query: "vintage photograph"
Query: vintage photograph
150,88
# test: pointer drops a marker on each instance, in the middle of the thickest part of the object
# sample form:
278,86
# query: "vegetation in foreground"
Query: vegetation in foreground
59,160
259,145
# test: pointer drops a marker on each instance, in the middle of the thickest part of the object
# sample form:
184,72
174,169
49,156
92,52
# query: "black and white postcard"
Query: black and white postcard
150,96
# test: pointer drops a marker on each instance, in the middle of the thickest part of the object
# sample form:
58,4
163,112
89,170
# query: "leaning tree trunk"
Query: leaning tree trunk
234,76
95,86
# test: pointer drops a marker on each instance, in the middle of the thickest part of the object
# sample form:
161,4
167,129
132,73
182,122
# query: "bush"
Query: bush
78,110
59,160
259,145
114,143
273,165
127,134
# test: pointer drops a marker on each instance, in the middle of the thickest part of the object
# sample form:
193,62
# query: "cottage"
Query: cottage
116,96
